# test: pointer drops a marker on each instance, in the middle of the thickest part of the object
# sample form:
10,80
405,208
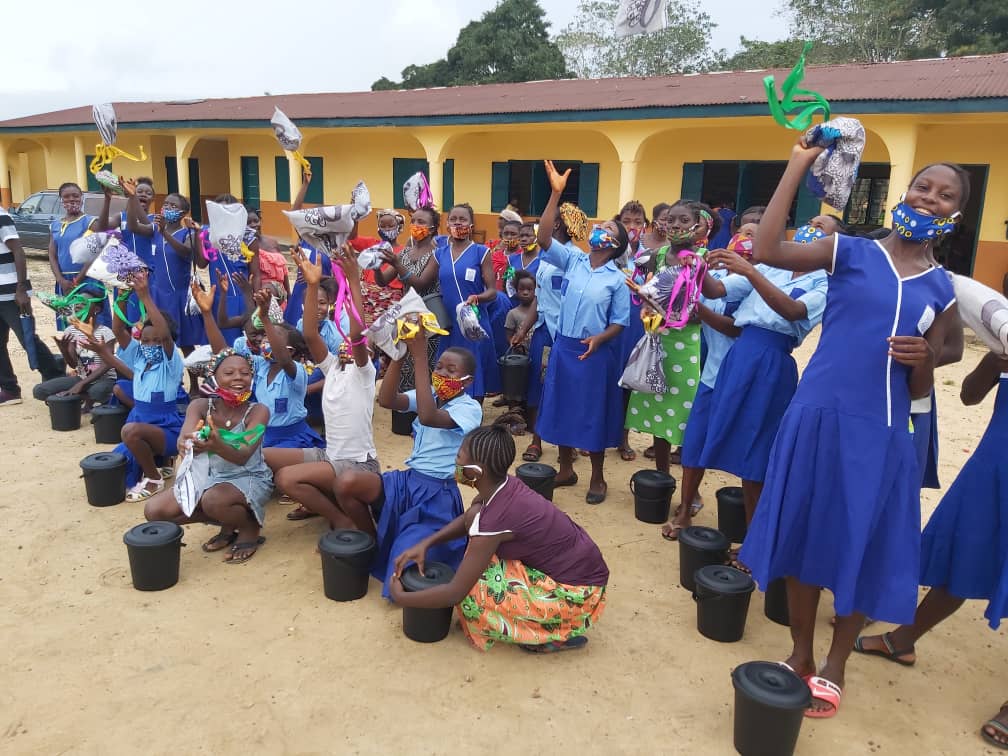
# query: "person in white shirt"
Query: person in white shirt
312,477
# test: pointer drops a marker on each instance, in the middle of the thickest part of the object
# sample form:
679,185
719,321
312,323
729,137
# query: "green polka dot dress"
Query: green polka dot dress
665,415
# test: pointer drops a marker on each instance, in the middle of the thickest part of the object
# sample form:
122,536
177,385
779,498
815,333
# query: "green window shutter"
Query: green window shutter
250,180
281,165
402,169
806,207
171,174
315,193
692,181
92,182
448,183
588,188
500,185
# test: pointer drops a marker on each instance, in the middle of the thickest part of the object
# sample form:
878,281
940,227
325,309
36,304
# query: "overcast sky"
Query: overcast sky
74,53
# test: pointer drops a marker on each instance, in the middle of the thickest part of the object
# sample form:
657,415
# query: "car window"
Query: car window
50,204
31,204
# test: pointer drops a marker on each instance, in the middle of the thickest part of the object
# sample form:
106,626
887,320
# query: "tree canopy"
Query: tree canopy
592,50
509,43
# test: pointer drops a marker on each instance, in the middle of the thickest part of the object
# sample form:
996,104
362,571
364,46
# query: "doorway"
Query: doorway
957,251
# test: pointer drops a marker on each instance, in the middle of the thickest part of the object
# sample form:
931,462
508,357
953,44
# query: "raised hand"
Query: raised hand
204,299
262,299
311,272
222,282
557,180
347,260
243,283
128,186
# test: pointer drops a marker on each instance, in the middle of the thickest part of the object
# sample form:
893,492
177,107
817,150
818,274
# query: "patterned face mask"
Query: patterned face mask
233,398
742,245
447,387
918,227
389,234
172,215
153,354
418,232
511,244
460,231
807,234
72,206
601,239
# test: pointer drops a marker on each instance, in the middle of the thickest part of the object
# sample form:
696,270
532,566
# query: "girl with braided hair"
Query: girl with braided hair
530,575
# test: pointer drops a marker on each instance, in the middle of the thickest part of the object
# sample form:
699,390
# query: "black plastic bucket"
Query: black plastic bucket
402,423
104,476
770,702
775,602
154,549
108,423
346,559
731,513
652,491
514,376
699,547
722,597
64,412
426,625
539,477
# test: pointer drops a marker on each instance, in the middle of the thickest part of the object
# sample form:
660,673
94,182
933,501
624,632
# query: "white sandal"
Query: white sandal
139,492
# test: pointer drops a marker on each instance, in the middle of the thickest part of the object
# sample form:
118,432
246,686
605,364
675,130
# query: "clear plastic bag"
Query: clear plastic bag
645,370
468,322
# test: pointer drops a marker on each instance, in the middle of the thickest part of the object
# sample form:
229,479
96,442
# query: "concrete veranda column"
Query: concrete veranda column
436,181
901,142
5,183
80,164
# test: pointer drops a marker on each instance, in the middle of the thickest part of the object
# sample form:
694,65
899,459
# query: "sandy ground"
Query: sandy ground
255,659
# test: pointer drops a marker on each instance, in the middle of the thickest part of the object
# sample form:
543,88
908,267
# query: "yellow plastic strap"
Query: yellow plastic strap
652,322
247,253
106,153
408,329
296,155
431,325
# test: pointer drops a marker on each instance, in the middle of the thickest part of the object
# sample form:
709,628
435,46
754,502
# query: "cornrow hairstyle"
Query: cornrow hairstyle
961,173
841,227
492,447
660,208
467,207
468,358
514,223
329,285
633,206
296,342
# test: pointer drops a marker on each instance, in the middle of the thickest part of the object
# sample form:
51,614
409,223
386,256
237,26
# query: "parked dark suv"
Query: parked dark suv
33,216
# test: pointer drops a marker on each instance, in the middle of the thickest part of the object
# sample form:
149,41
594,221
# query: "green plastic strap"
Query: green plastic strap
239,439
779,109
73,300
121,299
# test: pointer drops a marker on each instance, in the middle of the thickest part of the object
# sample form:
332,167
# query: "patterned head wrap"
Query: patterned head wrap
223,355
389,213
574,220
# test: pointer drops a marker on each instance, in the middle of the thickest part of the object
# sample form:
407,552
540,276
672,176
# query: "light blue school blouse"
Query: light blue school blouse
549,288
809,288
718,343
158,383
434,449
593,298
283,396
329,332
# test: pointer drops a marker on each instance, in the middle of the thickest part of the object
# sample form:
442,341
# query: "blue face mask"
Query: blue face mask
601,239
152,353
807,234
172,216
917,227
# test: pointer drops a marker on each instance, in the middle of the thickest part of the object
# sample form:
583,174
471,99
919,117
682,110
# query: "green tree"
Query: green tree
755,53
509,43
592,51
970,27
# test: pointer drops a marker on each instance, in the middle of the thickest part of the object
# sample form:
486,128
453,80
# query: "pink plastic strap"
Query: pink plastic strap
343,298
690,283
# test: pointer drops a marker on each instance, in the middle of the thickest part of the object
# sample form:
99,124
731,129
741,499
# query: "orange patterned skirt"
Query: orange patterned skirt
512,603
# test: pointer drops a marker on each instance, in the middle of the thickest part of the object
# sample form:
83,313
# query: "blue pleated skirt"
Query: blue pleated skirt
297,435
841,509
487,378
964,547
166,416
190,327
538,344
695,435
925,439
754,386
582,403
631,335
415,506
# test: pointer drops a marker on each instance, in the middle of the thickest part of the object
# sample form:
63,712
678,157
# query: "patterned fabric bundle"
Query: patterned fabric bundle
984,310
833,173
645,371
416,193
228,224
289,137
467,317
105,152
401,322
327,228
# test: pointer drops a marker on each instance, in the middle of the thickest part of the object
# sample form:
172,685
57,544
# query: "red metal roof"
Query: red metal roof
977,77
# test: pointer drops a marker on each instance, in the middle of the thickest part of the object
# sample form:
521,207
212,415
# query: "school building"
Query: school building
705,136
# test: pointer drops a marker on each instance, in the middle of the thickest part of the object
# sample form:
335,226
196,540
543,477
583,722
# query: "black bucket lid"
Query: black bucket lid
514,359
104,409
435,573
719,578
654,478
536,471
156,533
64,398
730,493
705,539
346,543
771,684
103,461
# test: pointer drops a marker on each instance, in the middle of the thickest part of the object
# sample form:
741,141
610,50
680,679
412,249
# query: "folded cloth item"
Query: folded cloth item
416,192
330,226
833,173
984,310
371,258
115,264
400,322
287,134
199,358
85,249
105,119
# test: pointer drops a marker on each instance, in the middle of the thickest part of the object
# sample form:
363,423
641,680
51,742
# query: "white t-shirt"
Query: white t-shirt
348,407
87,360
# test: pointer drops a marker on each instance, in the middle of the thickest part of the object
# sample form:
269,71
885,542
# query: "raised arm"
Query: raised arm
277,339
305,183
140,286
358,345
136,222
770,247
779,301
204,299
102,222
554,254
312,274
427,410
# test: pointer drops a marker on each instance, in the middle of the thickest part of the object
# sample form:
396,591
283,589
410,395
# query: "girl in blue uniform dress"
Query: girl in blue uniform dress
140,194
150,435
582,404
466,275
224,264
64,232
840,507
410,505
633,217
759,375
